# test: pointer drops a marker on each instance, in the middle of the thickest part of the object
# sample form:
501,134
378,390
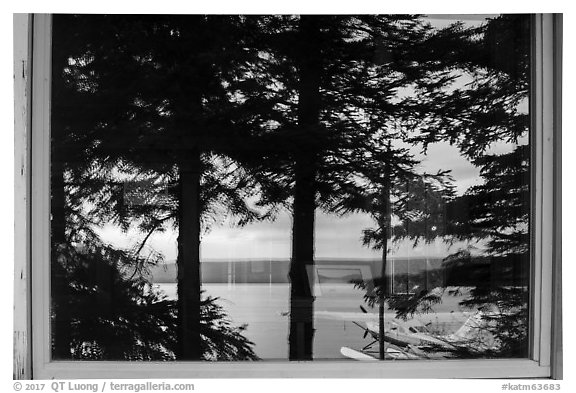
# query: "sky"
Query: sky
335,237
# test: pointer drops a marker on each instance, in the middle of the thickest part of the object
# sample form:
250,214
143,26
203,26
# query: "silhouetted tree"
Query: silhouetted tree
488,107
141,99
114,315
333,83
396,192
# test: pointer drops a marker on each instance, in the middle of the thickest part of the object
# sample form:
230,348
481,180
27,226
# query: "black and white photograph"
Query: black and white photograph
313,195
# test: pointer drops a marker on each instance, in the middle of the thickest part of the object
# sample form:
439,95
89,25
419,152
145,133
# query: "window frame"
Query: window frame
32,61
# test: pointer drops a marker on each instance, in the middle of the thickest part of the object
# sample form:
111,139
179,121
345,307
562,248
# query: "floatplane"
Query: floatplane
414,340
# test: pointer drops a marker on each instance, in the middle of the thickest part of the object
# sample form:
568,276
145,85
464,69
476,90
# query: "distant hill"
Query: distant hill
404,274
276,270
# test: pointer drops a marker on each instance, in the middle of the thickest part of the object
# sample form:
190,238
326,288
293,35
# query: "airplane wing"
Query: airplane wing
391,353
356,355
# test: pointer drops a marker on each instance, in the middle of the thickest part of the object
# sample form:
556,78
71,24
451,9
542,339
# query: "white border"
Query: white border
43,368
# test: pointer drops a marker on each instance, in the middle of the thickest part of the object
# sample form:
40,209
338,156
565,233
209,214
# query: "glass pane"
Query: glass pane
289,187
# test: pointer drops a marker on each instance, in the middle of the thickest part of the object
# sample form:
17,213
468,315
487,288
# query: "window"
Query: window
210,204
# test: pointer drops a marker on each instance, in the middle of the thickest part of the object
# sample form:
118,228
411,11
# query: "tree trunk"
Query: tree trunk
189,280
381,302
301,334
301,298
385,225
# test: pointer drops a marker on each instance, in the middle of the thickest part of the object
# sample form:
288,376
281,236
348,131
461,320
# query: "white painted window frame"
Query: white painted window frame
32,45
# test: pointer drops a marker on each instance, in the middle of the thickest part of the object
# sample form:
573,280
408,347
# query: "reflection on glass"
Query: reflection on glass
289,187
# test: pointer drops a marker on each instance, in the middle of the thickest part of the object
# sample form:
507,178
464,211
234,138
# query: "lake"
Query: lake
264,308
